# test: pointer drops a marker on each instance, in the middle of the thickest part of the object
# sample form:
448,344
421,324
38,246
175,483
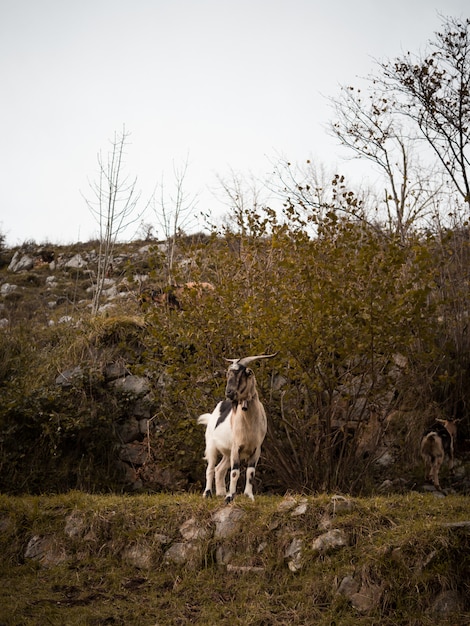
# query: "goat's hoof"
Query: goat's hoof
229,499
207,494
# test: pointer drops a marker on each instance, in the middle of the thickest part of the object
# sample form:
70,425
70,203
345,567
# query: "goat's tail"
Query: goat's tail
431,444
204,419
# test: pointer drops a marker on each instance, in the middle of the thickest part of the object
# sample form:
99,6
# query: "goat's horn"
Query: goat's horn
248,359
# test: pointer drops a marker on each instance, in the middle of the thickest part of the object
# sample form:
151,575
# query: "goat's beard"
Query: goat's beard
244,404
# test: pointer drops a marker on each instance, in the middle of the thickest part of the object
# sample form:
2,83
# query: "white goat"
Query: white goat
235,429
437,443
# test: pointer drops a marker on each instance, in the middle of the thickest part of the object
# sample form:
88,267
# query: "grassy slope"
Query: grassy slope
399,543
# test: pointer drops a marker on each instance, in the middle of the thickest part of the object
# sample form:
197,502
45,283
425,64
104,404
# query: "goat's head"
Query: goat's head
241,382
450,426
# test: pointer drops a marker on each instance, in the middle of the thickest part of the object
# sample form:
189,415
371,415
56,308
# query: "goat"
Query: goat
437,442
235,429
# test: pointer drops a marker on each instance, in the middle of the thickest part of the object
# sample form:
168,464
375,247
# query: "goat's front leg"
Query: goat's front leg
451,456
234,474
250,473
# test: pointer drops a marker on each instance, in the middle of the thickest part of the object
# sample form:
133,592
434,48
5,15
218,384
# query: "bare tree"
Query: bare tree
243,198
369,126
312,195
175,212
433,91
114,205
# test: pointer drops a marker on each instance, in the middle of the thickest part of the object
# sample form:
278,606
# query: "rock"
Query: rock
66,379
223,555
447,604
244,569
134,385
227,521
340,504
387,486
385,460
135,453
128,431
161,539
331,540
191,530
4,323
464,524
76,262
182,554
278,381
7,288
112,371
348,587
110,293
45,551
105,307
21,262
301,509
156,477
75,525
326,522
288,503
144,426
142,408
139,556
367,598
293,554
65,319
130,475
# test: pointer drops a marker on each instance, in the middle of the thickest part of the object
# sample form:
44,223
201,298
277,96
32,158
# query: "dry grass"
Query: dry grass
399,544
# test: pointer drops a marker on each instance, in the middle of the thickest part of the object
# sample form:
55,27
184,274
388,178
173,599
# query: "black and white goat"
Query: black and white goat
235,429
437,443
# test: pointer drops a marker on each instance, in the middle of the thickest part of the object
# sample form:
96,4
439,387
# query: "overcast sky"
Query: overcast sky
227,84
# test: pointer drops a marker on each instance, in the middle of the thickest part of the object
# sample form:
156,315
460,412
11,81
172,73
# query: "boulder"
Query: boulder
76,262
21,262
227,521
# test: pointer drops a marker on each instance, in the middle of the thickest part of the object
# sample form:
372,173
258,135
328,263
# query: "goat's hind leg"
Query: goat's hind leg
210,471
436,466
220,473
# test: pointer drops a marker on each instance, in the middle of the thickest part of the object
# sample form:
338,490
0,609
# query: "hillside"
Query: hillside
107,403
110,401
146,560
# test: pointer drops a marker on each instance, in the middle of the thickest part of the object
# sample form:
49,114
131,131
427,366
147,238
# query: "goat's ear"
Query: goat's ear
249,371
